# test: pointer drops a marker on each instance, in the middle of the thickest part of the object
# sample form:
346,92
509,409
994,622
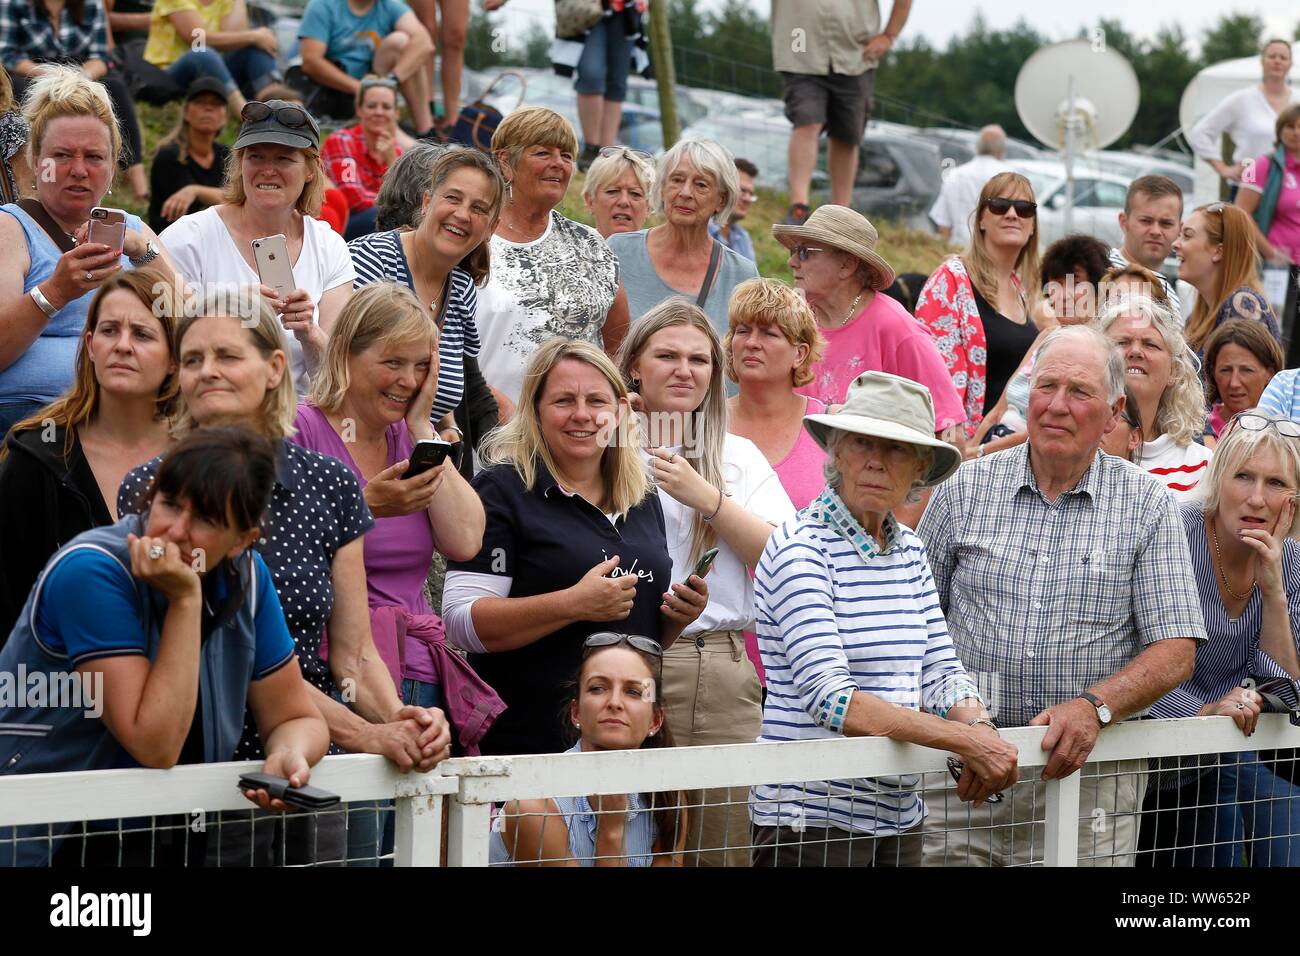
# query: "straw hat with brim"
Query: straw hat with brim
891,407
271,129
840,228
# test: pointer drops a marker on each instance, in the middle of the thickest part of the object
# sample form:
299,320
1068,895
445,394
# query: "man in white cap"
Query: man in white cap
1067,583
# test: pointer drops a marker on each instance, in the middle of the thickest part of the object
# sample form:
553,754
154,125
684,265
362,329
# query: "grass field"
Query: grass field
907,250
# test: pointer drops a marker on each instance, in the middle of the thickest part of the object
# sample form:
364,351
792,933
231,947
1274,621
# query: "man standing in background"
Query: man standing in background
960,194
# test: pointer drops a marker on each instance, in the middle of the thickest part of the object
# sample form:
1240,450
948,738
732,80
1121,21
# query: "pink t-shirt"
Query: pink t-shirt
884,338
1284,233
802,471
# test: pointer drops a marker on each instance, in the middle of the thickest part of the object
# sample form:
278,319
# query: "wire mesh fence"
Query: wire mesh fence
1153,794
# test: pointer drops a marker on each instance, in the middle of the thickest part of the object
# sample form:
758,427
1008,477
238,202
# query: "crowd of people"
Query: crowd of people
678,503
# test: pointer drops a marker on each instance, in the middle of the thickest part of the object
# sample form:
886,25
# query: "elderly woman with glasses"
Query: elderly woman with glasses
979,305
358,157
550,275
617,703
836,266
1247,571
1163,375
617,189
854,642
695,182
274,185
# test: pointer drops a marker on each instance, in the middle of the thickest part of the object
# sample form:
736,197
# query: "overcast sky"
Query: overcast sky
939,20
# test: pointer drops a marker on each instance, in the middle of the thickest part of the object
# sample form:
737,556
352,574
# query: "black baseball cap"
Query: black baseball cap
283,123
206,84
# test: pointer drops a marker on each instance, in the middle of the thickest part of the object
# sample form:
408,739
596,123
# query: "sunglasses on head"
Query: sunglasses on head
803,252
387,81
1254,422
626,151
612,639
294,117
999,205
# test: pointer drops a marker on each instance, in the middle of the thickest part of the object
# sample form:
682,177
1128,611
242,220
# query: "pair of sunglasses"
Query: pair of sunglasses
803,252
626,151
294,117
1254,422
955,767
999,205
613,638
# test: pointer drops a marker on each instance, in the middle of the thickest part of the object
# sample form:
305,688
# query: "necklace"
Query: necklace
1218,559
516,228
852,311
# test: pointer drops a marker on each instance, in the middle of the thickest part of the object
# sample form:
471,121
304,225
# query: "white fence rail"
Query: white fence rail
473,784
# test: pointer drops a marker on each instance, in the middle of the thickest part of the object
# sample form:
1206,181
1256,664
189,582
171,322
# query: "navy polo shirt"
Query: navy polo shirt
545,540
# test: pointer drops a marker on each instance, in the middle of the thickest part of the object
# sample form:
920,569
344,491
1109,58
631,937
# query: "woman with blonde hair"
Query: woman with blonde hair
550,275
978,305
1216,255
1164,376
274,185
48,270
234,370
617,189
574,540
718,492
60,468
771,346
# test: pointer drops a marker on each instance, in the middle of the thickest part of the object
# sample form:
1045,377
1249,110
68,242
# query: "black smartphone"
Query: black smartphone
428,453
706,561
305,798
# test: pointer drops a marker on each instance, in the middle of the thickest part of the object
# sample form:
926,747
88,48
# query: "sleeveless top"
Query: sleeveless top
45,370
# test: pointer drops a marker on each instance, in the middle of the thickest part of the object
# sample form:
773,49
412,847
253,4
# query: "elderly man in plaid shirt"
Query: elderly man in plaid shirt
1066,581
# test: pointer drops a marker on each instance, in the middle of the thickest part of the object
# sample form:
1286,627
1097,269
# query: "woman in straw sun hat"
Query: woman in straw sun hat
836,266
843,555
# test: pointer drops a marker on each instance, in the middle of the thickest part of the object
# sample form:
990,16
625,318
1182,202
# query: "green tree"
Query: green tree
537,46
1233,36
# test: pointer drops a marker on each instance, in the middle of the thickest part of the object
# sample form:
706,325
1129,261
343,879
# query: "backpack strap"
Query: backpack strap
714,259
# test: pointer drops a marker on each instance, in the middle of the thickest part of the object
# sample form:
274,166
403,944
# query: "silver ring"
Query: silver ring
1241,706
90,276
156,552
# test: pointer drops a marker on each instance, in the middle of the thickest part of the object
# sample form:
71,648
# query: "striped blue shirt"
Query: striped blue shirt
832,619
378,257
1282,397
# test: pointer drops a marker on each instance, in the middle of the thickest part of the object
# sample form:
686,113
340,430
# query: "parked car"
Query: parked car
1098,200
1132,165
958,145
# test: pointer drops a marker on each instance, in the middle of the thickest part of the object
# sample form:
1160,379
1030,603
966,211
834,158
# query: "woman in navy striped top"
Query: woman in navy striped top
854,642
442,258
1248,575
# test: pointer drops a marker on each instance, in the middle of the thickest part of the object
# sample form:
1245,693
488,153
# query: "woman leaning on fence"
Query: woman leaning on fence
616,704
173,623
1248,574
855,644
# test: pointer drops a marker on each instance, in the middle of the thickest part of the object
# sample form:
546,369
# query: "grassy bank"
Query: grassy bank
907,250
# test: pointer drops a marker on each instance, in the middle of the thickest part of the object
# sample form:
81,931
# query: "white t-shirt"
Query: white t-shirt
205,253
563,283
756,488
961,194
1178,469
1247,117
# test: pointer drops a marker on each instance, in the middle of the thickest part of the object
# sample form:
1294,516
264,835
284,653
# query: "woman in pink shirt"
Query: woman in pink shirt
836,267
771,345
1278,242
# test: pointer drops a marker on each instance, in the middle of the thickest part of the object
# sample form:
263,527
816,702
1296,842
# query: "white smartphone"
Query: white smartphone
272,256
108,226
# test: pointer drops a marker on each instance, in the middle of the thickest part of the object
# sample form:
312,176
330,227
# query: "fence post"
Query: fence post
661,49
468,833
1062,837
418,837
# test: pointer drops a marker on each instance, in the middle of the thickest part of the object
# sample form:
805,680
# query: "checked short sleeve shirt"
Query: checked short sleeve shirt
1044,599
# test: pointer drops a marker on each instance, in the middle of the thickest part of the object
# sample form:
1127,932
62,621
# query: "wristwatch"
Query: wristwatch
150,254
1103,712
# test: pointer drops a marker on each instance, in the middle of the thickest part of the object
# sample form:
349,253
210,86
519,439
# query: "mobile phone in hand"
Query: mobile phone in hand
107,226
304,798
428,453
706,561
273,267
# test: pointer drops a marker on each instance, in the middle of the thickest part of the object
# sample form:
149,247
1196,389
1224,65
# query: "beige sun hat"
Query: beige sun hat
892,407
840,228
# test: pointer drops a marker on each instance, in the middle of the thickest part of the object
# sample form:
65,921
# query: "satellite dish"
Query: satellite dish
1076,96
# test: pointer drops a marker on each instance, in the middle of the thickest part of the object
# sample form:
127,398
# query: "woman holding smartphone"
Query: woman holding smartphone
274,185
49,268
718,492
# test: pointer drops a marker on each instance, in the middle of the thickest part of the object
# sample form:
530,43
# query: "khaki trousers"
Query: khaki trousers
712,696
1011,833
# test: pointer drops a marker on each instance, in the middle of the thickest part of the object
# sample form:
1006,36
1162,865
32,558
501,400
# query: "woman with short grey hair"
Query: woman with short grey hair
854,642
405,186
695,181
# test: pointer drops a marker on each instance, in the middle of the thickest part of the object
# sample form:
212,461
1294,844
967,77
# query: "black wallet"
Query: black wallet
305,798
